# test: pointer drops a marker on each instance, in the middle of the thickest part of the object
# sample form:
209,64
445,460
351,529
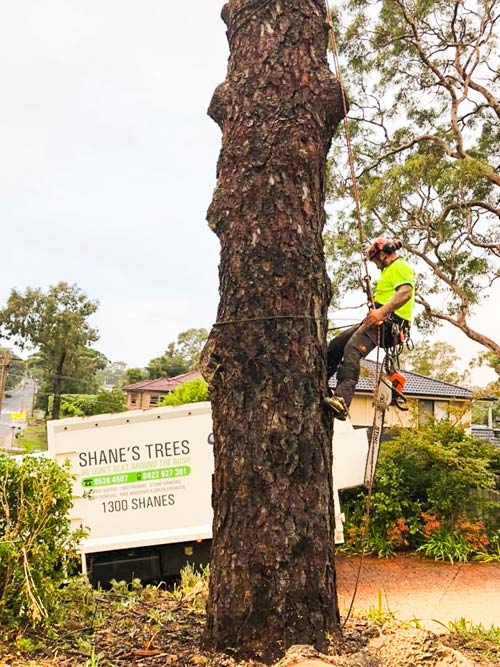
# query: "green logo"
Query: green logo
136,476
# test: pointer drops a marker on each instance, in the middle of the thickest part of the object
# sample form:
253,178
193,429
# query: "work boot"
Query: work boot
337,406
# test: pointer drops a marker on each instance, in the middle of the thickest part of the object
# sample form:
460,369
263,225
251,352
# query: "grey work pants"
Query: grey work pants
345,352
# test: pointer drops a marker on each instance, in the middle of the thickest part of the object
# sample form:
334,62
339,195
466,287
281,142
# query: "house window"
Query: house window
428,410
133,399
441,411
425,411
155,399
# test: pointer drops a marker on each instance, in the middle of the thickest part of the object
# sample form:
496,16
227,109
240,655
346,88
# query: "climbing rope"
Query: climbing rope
365,526
366,283
266,318
364,280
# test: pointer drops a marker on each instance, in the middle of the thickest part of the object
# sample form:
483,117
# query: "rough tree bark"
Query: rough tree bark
272,578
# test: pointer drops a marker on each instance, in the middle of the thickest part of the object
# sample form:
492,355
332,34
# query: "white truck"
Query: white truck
142,486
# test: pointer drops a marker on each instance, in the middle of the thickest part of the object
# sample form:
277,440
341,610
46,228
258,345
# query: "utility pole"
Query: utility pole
3,375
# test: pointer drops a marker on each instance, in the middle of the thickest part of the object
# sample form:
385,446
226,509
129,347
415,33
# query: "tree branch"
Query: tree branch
459,323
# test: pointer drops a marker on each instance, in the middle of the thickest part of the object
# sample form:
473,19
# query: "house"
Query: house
426,398
149,393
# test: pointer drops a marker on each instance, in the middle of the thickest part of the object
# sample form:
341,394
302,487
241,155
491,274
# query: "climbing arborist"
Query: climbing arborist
391,312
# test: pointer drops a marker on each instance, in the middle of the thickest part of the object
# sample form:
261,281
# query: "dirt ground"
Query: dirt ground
395,602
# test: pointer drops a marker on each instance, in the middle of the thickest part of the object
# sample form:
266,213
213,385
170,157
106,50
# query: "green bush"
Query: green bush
188,392
37,545
85,405
110,401
427,496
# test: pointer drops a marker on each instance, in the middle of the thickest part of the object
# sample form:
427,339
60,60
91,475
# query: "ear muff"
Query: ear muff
383,244
391,246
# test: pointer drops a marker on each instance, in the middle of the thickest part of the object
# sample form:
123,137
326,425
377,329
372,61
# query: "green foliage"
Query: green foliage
56,325
482,407
471,630
446,545
181,356
16,370
110,401
188,392
34,438
426,497
488,359
81,376
113,374
493,553
133,375
193,586
93,659
436,360
81,405
425,141
36,543
92,624
168,365
378,614
467,539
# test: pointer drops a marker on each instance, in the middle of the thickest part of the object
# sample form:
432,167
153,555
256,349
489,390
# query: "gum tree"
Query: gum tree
423,80
272,578
55,325
180,356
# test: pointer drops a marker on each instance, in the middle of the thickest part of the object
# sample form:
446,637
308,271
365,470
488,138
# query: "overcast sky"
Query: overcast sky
107,162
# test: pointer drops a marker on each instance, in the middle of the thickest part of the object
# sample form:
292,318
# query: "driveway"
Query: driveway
411,588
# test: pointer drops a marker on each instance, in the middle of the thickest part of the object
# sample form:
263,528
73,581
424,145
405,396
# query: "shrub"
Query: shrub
36,542
446,545
188,392
85,405
431,493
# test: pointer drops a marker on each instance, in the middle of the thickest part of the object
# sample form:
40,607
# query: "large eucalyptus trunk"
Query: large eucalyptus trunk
272,579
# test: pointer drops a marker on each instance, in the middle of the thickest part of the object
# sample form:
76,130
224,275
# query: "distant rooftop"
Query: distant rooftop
486,433
163,385
416,385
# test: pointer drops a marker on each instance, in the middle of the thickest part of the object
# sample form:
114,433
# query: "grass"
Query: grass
378,615
469,630
193,586
34,438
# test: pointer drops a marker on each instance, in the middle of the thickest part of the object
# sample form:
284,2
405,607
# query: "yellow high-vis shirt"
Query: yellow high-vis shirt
393,276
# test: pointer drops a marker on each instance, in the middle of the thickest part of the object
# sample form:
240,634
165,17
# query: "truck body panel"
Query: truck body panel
143,485
140,477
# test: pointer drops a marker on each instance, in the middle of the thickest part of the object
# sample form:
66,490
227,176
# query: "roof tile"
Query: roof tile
416,385
163,384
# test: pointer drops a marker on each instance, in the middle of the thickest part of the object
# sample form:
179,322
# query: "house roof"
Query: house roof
416,385
163,385
486,433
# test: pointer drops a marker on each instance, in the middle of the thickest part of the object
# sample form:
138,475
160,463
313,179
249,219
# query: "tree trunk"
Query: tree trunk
272,578
56,386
